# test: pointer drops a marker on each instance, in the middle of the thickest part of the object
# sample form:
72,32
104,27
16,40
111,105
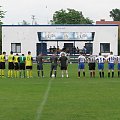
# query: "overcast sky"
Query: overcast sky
19,10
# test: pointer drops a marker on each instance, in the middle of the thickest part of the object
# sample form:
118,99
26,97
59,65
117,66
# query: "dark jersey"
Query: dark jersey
39,59
63,61
53,60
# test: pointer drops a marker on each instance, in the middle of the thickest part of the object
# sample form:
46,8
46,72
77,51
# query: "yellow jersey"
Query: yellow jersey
29,60
11,58
16,59
2,58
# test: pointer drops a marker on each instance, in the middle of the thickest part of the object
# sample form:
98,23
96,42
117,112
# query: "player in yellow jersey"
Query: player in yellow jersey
10,64
16,66
29,62
2,64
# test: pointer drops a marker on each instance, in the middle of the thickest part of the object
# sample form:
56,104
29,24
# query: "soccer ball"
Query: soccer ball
53,75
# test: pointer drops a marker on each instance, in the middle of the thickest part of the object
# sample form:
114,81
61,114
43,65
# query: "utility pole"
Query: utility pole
33,19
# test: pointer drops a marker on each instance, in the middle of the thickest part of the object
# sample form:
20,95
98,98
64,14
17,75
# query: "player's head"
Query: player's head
22,54
80,53
17,54
29,52
100,53
63,54
11,52
4,53
111,53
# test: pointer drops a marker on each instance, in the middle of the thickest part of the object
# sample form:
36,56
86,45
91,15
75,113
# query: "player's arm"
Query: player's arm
67,61
78,60
43,60
18,59
32,59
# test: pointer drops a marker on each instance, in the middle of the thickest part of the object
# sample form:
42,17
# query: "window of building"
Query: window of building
16,47
105,47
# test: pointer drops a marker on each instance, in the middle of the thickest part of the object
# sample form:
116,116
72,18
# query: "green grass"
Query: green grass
60,98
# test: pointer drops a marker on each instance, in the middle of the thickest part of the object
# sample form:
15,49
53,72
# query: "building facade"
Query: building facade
41,38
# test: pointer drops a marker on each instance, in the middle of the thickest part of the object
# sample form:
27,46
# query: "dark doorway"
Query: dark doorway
68,47
41,48
89,48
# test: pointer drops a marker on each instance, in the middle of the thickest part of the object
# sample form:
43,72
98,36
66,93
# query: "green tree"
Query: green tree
115,14
70,16
2,14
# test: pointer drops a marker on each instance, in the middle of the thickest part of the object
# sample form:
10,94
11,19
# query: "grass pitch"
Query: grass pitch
60,98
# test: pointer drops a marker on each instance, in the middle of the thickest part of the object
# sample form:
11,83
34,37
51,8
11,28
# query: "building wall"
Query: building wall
27,36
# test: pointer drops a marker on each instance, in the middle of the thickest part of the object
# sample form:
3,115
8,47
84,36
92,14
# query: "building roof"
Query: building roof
61,25
102,21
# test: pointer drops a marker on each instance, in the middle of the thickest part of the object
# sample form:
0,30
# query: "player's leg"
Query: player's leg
112,73
0,72
109,68
8,69
79,70
3,69
42,73
30,74
17,67
118,69
51,71
100,73
112,65
38,70
93,73
99,69
90,69
27,70
93,67
62,71
83,69
55,70
66,73
102,70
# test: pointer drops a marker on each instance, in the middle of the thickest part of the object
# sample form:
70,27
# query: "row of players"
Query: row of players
18,64
21,63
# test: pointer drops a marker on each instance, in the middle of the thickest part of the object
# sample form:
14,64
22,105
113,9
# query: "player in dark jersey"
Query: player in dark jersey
16,66
40,61
64,64
53,60
22,60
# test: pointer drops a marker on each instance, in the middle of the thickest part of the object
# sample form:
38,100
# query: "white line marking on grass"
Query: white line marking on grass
41,106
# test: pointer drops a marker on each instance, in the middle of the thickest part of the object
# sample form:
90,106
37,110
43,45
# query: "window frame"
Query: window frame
103,48
16,47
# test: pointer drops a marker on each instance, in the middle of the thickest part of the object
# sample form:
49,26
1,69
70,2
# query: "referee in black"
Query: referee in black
92,65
